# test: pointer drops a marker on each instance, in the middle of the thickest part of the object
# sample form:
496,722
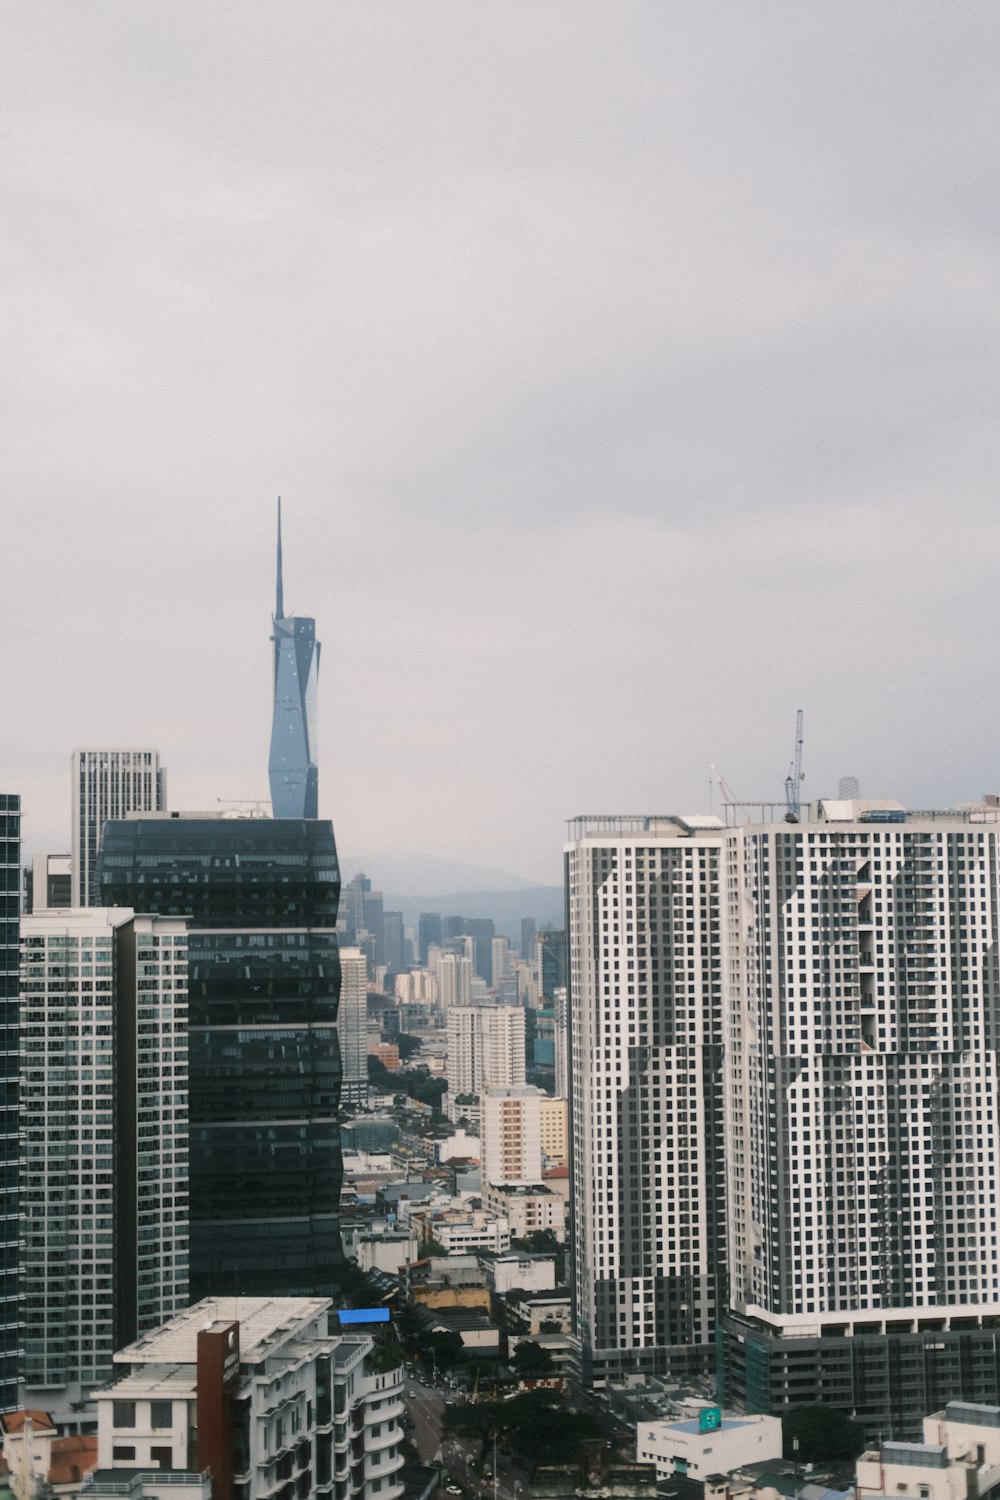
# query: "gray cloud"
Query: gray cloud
630,375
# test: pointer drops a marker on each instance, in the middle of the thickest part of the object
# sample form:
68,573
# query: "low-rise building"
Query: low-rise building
714,1442
517,1270
537,1312
460,1231
38,1460
259,1392
385,1252
529,1207
959,1457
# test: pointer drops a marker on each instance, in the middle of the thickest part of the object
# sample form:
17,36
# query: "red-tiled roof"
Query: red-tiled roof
13,1421
72,1457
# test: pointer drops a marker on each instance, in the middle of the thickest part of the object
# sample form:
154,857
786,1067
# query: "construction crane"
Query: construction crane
724,787
793,781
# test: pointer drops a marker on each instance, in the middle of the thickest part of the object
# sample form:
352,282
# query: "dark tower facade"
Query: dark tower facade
292,770
10,866
261,899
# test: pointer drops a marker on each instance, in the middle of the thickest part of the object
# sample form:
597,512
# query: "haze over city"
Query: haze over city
629,377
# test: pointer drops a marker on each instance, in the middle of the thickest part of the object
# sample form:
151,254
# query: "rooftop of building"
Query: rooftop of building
762,814
72,1457
14,1422
265,1322
521,1189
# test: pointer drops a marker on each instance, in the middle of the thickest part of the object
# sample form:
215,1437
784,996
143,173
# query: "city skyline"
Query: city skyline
628,385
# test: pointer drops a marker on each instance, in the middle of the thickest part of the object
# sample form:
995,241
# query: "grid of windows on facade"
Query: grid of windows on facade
103,1136
264,1060
646,1018
10,861
108,784
876,1074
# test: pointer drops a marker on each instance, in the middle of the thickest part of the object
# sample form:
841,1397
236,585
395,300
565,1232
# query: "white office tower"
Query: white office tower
352,1026
453,972
104,1142
510,1133
108,784
645,1080
863,1128
485,1050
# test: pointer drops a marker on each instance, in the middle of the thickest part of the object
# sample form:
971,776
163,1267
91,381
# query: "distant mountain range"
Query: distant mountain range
413,885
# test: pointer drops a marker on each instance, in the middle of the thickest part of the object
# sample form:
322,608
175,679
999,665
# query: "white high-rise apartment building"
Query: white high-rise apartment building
485,1050
842,1171
352,1026
863,1127
645,1079
104,1140
510,1135
453,972
108,784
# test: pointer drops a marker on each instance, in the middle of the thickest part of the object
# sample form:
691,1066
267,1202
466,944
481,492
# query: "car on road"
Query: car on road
411,1391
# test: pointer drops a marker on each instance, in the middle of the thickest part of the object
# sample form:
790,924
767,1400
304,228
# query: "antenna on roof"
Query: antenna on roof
279,612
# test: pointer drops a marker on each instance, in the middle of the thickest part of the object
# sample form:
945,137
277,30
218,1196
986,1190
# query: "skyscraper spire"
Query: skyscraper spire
279,610
292,769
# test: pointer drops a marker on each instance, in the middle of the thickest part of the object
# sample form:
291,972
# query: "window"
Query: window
124,1416
120,1451
161,1415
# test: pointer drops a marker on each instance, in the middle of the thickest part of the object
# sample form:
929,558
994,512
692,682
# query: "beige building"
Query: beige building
527,1207
510,1130
553,1129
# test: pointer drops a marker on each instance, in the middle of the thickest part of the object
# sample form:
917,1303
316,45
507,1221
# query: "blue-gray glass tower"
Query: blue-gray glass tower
10,874
264,982
292,770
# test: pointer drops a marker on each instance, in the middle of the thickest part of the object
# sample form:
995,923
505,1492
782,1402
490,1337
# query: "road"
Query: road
425,1406
458,1456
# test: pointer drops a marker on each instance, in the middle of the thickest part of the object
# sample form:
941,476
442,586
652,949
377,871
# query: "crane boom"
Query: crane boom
793,781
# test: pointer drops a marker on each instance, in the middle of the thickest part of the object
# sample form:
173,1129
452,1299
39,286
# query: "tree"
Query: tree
533,1425
532,1359
544,1242
820,1434
448,1349
408,1045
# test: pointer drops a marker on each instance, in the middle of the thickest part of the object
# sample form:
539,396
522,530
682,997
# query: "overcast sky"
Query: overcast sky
629,374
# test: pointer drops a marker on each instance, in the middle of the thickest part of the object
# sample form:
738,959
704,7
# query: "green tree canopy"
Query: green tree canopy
532,1424
820,1434
530,1358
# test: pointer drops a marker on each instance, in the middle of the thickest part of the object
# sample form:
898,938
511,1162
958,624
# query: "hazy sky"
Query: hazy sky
629,374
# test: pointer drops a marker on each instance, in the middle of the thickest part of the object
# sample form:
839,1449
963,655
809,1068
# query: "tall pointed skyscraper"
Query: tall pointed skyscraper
292,769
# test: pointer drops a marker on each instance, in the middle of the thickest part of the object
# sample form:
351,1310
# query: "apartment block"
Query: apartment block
107,784
863,1123
104,1140
264,1393
646,1092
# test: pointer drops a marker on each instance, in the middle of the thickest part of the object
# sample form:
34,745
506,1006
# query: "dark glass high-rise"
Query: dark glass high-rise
265,1165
